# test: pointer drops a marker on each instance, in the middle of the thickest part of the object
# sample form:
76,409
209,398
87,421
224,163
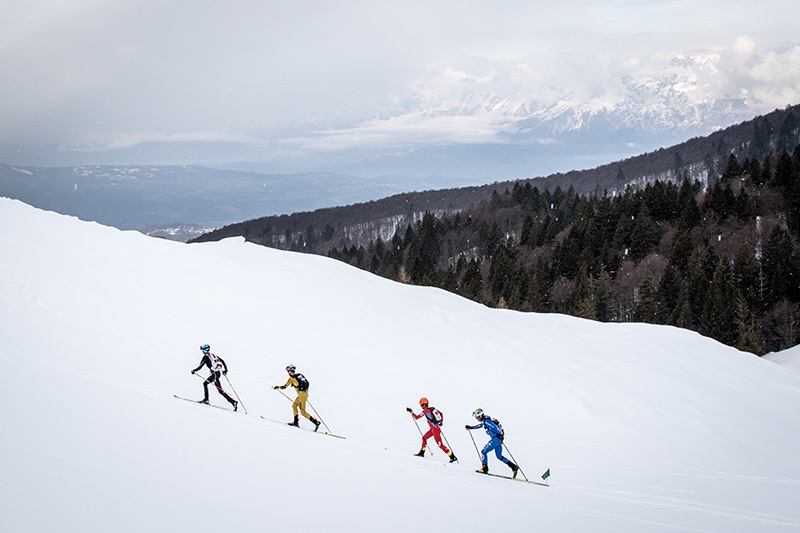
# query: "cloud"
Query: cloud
413,128
99,75
120,142
488,100
777,78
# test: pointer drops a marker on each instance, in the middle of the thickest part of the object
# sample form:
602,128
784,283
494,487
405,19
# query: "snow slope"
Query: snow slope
789,358
645,428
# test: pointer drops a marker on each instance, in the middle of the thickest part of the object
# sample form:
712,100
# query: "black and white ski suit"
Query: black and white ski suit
217,366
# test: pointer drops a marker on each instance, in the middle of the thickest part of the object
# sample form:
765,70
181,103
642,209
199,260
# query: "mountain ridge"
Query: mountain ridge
701,159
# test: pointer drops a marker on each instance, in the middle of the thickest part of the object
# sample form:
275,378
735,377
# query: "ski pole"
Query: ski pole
234,392
284,395
515,462
312,408
415,424
476,446
220,388
444,437
320,418
420,431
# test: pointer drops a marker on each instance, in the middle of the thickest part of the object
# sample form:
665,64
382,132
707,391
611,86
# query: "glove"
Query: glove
224,372
193,371
410,410
501,438
274,387
467,427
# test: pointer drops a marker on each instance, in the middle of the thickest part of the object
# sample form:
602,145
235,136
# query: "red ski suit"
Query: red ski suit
435,431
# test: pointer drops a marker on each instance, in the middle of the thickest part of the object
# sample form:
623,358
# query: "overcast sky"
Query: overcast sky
93,76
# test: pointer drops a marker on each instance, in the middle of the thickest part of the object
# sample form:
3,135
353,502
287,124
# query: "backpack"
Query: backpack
214,363
302,382
438,417
496,423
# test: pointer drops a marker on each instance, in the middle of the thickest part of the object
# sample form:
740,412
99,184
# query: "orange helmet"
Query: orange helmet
423,401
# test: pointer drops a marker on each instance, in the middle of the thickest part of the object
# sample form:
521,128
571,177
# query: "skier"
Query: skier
435,430
495,432
217,367
299,382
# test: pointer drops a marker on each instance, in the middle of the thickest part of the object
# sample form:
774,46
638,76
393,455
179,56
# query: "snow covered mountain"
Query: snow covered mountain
480,132
644,428
662,106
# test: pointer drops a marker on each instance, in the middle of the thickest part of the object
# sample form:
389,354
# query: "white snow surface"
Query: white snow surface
644,428
789,358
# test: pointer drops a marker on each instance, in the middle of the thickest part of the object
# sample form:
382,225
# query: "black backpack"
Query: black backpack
302,382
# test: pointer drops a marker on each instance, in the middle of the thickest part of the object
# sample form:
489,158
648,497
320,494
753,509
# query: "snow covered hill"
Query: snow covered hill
789,358
644,428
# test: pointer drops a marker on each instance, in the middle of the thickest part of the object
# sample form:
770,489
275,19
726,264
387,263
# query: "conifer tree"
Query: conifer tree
733,170
766,170
423,250
448,280
794,193
581,302
682,316
783,171
720,200
585,309
602,296
746,270
747,336
646,309
687,204
716,321
540,288
525,236
644,234
668,290
702,265
472,283
501,272
777,265
519,290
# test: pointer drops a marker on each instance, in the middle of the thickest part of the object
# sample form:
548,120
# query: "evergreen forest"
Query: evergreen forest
720,258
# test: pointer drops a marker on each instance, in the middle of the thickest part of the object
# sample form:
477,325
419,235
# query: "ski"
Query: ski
448,462
305,429
515,479
206,404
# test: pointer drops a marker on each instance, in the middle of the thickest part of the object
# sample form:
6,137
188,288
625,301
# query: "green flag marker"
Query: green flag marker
546,475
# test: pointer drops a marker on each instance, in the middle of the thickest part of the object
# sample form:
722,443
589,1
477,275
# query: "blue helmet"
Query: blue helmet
205,348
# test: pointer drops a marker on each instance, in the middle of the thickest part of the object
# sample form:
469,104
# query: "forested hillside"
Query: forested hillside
722,260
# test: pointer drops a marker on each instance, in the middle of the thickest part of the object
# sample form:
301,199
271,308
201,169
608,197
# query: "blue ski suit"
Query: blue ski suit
496,443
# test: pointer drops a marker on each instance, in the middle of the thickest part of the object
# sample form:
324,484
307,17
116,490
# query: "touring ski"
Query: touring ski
515,479
305,429
201,403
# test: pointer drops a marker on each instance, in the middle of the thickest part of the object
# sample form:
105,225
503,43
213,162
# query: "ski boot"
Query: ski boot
204,400
235,405
294,422
453,457
514,469
484,469
421,453
315,422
